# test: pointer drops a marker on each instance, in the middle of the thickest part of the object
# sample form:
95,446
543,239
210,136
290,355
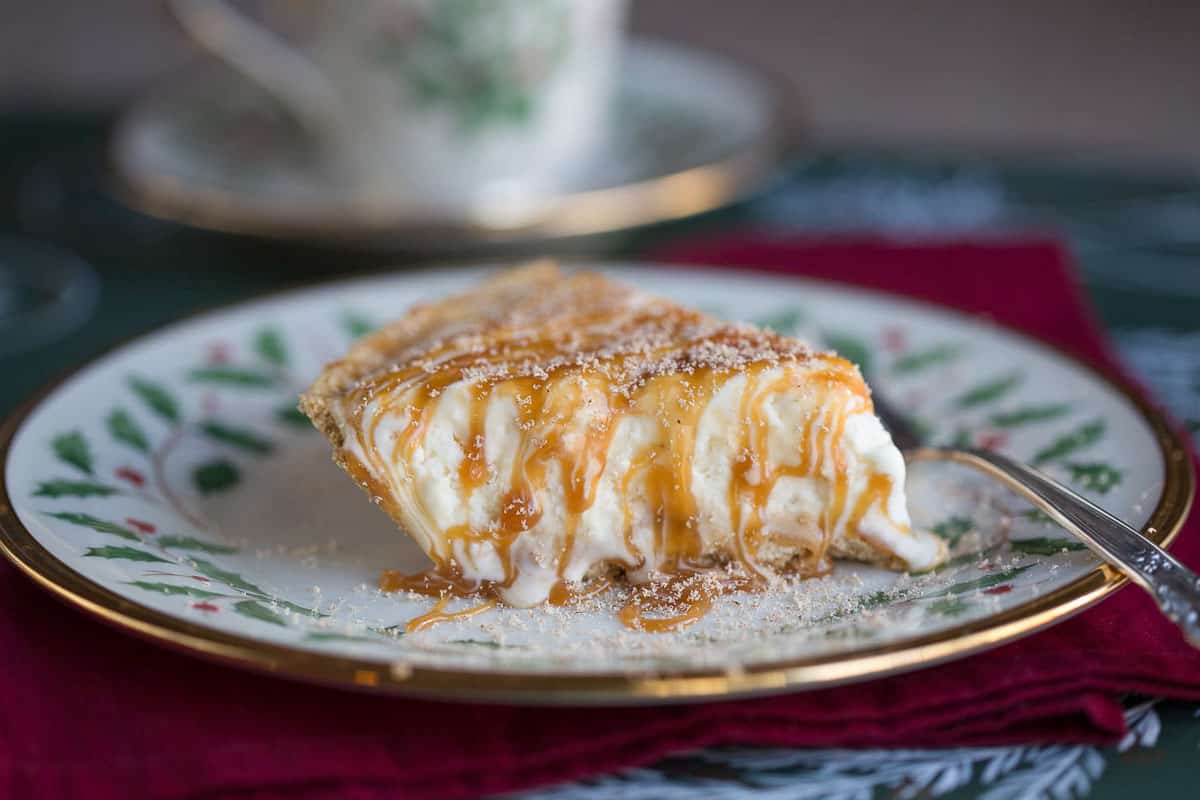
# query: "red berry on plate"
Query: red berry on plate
140,525
131,475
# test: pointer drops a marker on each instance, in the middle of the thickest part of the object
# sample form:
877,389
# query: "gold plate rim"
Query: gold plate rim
21,548
661,198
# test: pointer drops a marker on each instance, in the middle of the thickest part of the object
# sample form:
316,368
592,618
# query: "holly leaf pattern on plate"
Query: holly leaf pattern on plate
215,476
71,448
125,553
949,606
356,325
123,428
1038,516
69,488
980,583
1028,414
241,438
156,398
784,322
256,610
173,589
1043,546
299,609
193,544
232,376
989,391
850,348
488,643
290,415
96,524
323,636
915,362
953,529
231,579
268,343
1086,434
1096,477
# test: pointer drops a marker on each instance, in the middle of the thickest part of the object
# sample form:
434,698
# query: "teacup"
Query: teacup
454,102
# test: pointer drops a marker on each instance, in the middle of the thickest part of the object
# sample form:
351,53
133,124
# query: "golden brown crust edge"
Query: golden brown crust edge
375,350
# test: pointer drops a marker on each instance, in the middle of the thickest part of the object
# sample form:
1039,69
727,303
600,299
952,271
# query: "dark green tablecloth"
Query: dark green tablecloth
1137,238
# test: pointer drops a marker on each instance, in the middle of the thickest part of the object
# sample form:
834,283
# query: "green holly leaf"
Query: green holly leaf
1043,546
71,448
953,529
1096,477
290,606
981,583
966,558
394,631
231,579
1038,516
915,362
123,428
850,348
172,589
961,438
488,643
242,438
1086,434
784,322
193,544
240,377
96,524
1024,416
356,325
66,488
156,398
949,606
256,610
322,636
215,476
125,553
921,428
268,343
290,415
878,599
990,391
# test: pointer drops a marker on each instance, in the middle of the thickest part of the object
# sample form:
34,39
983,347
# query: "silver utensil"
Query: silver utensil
1174,587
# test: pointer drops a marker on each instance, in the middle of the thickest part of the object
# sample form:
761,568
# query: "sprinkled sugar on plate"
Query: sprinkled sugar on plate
173,488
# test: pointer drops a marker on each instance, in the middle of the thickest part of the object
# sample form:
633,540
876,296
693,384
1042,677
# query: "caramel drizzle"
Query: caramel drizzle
437,615
547,404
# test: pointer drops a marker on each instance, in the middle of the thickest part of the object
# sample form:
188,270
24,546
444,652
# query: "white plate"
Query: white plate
171,488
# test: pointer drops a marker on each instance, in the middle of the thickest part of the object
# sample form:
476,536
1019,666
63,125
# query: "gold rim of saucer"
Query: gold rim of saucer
660,198
20,546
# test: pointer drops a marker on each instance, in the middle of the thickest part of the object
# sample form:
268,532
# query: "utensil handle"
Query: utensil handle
267,60
1175,587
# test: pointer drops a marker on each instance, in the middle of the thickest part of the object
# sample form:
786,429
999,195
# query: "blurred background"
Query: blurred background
1108,78
929,118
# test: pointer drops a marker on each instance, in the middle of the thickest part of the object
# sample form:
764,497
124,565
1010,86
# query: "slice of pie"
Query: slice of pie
549,428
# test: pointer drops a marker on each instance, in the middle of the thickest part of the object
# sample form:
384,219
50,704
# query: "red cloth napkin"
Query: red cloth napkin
89,712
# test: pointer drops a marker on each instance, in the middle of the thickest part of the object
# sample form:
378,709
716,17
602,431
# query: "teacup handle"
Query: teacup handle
264,58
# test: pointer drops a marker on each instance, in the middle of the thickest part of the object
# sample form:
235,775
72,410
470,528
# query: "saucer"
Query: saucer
690,132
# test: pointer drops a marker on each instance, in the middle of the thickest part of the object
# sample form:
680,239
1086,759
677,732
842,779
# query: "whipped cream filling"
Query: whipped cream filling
619,524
